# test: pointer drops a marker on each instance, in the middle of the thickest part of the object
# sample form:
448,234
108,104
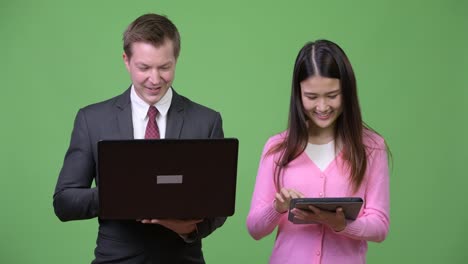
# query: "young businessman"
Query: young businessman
149,108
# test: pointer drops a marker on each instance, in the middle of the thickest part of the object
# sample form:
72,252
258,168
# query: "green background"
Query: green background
237,57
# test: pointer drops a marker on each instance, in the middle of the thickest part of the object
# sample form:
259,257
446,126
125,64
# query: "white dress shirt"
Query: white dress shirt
140,113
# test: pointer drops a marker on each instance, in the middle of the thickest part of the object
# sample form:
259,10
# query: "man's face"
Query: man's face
151,69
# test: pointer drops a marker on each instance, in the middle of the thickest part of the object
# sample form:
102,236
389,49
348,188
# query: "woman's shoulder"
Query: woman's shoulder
276,139
273,143
373,140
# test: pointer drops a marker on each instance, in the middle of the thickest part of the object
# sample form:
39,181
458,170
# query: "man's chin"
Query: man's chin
151,99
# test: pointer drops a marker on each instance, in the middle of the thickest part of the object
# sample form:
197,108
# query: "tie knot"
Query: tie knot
152,112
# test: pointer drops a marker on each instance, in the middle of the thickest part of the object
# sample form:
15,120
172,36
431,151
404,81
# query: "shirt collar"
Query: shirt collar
140,107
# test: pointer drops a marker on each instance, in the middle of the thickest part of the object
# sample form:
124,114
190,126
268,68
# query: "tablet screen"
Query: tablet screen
351,206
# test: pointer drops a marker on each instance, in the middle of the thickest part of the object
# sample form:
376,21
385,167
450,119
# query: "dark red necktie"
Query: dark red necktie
152,130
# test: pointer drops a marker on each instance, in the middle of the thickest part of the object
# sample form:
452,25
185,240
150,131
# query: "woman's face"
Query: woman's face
322,101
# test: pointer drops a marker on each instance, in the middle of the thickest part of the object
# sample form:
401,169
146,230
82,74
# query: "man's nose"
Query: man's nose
154,77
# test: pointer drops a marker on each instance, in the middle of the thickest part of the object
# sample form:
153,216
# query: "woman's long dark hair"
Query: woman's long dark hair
324,58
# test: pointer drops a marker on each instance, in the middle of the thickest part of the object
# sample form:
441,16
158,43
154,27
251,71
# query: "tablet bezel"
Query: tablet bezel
351,206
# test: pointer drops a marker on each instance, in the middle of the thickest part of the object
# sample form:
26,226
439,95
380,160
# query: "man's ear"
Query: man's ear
126,61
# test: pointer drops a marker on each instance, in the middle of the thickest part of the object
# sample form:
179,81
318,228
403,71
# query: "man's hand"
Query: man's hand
181,227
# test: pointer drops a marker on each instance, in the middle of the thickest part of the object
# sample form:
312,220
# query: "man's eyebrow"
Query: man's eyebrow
166,64
141,64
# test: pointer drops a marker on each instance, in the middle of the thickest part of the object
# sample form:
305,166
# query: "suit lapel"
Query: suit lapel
175,116
124,115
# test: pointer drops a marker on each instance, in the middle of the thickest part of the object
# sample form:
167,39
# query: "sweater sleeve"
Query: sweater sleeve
263,218
373,223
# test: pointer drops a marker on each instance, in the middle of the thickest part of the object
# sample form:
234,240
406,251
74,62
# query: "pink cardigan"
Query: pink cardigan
313,243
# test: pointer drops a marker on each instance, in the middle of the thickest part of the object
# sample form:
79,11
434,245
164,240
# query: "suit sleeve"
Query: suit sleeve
210,224
74,198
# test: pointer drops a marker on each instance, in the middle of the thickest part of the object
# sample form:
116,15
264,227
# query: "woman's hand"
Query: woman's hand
334,220
283,198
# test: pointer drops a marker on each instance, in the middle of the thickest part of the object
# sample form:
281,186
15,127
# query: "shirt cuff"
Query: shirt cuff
190,237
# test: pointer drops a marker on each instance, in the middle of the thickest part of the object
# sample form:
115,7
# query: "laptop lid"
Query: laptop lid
167,178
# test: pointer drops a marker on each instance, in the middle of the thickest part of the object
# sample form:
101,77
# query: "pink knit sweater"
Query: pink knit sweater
314,243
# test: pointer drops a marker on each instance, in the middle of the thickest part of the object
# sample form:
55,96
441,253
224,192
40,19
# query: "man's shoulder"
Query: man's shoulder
109,104
191,107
